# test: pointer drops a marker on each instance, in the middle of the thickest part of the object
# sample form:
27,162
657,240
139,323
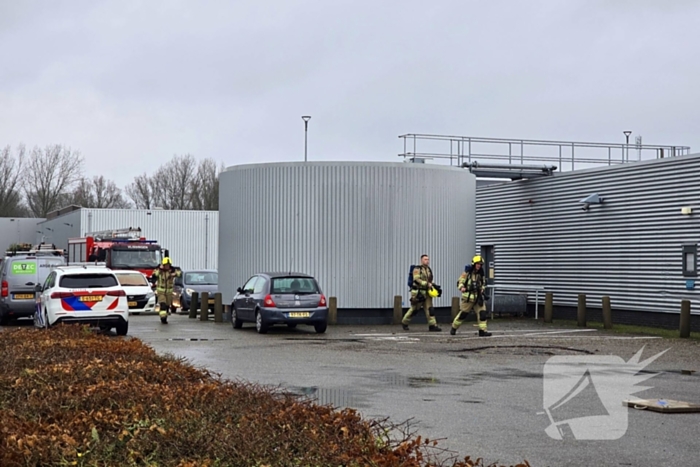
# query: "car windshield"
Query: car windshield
295,285
136,259
88,281
201,278
131,279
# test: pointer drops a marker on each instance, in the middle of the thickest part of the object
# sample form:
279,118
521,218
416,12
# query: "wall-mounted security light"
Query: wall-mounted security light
592,199
686,211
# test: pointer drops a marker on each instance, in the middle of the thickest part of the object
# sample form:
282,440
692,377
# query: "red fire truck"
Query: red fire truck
119,249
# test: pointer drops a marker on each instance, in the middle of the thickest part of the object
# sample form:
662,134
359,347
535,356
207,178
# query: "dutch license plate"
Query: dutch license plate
299,314
133,303
91,298
23,296
211,301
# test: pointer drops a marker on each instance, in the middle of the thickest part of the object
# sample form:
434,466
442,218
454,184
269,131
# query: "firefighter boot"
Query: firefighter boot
433,327
484,333
163,312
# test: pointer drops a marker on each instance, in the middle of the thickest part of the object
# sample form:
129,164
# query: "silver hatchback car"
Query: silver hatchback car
287,298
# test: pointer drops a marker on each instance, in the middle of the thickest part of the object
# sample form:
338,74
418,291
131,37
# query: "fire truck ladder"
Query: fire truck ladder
130,233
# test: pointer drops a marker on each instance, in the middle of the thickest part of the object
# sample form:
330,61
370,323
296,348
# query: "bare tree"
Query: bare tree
181,183
141,192
11,172
98,193
172,183
50,177
205,195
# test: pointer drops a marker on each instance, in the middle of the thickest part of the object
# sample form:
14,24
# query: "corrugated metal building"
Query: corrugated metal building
17,230
638,246
191,236
356,226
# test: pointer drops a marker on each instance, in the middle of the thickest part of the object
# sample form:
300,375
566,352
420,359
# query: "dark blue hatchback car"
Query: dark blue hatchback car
287,298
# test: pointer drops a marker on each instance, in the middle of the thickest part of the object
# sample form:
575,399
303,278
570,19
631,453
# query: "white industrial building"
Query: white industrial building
356,226
190,236
17,230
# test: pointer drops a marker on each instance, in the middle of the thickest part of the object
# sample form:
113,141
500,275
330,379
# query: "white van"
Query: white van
20,273
138,290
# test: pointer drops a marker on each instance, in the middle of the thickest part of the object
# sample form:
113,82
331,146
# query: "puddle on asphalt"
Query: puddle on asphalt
396,379
338,398
422,381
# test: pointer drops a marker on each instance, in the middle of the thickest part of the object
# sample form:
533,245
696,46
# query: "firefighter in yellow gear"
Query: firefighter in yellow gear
422,294
164,279
472,284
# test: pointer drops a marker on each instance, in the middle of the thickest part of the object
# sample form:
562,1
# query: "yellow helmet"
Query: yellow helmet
166,260
477,259
433,292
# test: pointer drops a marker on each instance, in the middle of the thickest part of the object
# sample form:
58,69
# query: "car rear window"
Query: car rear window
283,285
88,281
132,280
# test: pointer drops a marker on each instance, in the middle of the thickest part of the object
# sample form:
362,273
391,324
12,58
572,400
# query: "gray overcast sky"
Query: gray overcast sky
130,84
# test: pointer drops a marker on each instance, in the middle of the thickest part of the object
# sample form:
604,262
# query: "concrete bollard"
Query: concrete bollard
455,307
218,308
607,313
685,319
398,310
581,310
194,303
204,308
548,307
332,310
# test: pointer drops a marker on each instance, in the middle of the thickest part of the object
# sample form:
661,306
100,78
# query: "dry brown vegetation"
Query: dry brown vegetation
69,396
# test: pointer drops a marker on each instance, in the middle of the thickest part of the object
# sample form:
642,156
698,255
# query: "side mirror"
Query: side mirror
38,288
239,290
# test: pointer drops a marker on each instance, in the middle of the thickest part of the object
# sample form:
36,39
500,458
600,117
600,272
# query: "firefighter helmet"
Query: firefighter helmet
166,260
477,259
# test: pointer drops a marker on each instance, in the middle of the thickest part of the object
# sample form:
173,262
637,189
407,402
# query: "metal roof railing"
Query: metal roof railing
461,150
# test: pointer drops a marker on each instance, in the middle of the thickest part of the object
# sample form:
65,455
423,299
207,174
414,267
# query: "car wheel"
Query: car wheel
237,323
260,326
321,327
122,328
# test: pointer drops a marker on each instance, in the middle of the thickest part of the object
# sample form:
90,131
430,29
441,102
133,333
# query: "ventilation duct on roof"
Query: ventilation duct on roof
512,171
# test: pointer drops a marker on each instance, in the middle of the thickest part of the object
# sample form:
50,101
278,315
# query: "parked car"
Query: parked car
20,273
84,295
268,298
140,296
203,280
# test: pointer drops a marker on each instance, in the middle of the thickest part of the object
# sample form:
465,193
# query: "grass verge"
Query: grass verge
69,396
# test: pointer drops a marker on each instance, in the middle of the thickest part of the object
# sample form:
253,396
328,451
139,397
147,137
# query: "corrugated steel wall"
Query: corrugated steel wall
17,230
191,236
357,227
629,248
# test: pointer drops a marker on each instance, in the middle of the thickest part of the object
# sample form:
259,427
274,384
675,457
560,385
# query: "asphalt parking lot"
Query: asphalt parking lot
481,397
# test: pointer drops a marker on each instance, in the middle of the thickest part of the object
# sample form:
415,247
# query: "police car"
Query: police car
82,294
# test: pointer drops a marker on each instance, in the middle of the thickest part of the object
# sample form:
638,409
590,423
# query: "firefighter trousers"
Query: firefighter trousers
466,307
165,296
416,304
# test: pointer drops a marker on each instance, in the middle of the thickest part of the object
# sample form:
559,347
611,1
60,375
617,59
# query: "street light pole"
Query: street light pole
627,144
306,119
